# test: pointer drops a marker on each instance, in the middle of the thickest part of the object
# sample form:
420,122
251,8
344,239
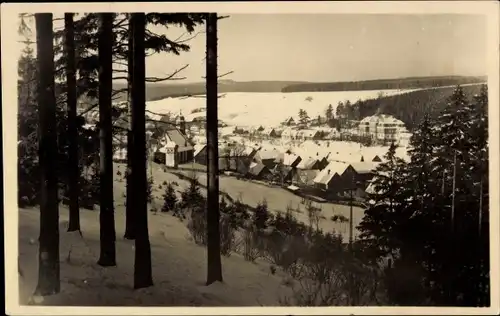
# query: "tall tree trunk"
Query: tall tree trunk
142,268
48,256
129,208
214,268
106,216
74,170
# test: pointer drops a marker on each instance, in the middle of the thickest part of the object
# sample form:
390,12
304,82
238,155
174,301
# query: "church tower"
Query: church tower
181,124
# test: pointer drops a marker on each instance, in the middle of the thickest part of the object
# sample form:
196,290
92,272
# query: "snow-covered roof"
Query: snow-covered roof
380,119
332,169
364,167
307,163
287,159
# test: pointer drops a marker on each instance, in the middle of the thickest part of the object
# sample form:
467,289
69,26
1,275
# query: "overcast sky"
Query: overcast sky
339,47
335,47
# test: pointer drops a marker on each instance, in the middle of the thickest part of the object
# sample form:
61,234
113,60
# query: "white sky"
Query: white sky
334,47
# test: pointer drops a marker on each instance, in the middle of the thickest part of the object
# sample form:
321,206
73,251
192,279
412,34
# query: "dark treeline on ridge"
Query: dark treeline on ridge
172,90
385,84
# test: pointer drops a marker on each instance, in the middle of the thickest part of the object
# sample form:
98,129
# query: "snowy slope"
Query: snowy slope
266,109
179,268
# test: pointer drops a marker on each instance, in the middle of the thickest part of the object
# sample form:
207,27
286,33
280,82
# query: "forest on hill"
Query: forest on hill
384,84
158,91
409,107
161,91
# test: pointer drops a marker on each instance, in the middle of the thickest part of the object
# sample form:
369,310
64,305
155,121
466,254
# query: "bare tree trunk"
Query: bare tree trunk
214,266
129,209
73,163
142,268
48,255
106,216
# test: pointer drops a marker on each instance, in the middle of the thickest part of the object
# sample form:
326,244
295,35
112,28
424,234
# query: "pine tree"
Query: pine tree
214,265
142,267
303,117
169,198
329,113
73,163
48,267
378,230
106,216
261,215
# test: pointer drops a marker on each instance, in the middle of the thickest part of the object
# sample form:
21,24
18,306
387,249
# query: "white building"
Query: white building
382,127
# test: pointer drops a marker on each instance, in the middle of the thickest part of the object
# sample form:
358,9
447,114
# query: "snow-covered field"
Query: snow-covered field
266,109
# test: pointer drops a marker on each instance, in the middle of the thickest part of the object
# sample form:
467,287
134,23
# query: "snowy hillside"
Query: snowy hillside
266,109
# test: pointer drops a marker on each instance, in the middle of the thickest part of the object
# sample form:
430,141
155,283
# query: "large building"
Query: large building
383,128
173,146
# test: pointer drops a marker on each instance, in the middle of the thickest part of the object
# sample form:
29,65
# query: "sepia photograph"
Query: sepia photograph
338,155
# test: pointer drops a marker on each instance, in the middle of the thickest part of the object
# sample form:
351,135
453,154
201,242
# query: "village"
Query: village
312,160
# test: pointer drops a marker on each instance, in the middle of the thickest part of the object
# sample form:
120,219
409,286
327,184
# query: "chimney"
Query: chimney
328,171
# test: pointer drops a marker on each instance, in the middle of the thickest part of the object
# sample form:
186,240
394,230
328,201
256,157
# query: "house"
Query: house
309,163
288,122
311,134
285,174
269,133
331,134
289,134
346,156
305,177
258,170
323,162
364,170
288,159
328,179
173,143
267,157
382,127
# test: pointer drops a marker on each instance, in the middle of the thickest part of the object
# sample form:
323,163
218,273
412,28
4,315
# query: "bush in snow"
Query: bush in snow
169,198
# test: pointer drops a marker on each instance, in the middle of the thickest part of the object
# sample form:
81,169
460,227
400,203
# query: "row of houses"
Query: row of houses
380,127
330,175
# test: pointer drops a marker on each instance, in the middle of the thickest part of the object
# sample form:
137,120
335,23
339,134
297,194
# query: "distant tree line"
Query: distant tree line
403,83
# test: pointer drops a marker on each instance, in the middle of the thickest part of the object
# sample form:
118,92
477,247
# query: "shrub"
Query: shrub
227,236
252,244
237,212
170,199
149,189
197,226
198,229
261,216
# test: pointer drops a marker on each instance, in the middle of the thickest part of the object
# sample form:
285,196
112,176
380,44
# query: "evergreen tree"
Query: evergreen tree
442,271
214,265
48,266
303,117
261,216
142,267
106,216
73,163
169,198
329,113
191,197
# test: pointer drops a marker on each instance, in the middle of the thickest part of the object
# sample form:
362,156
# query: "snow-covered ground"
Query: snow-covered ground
179,266
266,109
